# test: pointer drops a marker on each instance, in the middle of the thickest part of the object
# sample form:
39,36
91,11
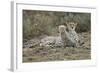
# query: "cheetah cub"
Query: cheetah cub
67,40
71,26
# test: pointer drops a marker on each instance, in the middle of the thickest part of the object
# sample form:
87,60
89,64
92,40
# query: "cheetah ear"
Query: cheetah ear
67,23
76,24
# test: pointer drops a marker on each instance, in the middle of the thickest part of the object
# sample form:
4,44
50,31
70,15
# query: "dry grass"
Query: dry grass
43,54
55,54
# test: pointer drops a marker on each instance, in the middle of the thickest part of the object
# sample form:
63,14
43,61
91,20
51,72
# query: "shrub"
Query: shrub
37,23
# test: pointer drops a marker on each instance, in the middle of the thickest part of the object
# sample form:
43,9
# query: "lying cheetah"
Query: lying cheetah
64,39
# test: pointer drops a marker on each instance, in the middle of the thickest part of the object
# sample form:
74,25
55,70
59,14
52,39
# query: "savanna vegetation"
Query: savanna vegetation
37,24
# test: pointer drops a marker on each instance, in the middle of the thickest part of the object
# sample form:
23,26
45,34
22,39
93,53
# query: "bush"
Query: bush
37,23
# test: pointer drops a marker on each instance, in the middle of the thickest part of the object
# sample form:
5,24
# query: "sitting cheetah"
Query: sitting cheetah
66,37
71,30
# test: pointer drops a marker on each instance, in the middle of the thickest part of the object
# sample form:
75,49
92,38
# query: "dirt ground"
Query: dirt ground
43,54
